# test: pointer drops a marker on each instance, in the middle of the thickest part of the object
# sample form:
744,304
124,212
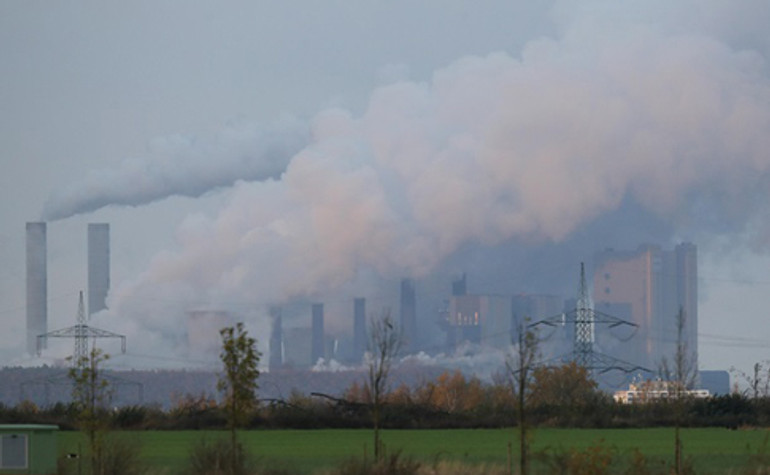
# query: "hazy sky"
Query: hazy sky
247,153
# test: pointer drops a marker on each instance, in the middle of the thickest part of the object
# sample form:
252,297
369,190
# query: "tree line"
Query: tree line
563,396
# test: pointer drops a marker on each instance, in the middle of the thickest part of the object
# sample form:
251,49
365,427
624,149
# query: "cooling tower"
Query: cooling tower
37,284
98,266
359,329
317,344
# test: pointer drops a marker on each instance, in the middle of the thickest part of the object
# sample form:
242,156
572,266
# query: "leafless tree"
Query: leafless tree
758,381
679,375
385,341
521,365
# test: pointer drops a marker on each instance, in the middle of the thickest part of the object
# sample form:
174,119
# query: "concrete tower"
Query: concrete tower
408,314
276,339
317,343
359,329
98,266
37,284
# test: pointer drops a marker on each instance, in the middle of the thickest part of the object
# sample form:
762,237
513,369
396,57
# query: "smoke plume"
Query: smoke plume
184,166
527,150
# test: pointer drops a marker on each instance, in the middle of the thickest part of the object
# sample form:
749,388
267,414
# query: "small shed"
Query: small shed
28,449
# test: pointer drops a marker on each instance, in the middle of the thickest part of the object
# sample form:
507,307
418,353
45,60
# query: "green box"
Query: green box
28,449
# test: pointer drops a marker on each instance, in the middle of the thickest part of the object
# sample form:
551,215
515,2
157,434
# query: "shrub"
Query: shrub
214,458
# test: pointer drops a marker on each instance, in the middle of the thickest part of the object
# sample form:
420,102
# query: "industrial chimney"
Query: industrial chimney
317,343
37,284
98,266
276,339
359,329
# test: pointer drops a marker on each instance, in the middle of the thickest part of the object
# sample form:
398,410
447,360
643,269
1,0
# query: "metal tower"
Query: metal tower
585,318
81,332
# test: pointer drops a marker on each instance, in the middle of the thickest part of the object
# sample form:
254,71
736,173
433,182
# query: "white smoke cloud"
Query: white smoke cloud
185,166
492,149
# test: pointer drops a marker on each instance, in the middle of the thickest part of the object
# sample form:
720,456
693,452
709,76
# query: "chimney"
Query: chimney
276,339
359,329
317,344
37,284
98,266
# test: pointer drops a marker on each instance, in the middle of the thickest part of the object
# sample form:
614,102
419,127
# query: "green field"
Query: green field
306,451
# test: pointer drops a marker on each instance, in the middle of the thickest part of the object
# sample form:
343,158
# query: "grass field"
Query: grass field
306,451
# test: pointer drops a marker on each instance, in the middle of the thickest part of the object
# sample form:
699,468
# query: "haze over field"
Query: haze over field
249,155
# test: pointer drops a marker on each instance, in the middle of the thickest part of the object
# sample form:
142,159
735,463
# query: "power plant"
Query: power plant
645,287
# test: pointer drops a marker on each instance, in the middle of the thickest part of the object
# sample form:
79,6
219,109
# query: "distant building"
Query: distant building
651,391
481,319
297,353
459,286
717,382
648,287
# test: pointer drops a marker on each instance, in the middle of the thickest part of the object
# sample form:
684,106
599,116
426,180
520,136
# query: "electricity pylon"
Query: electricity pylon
81,332
585,319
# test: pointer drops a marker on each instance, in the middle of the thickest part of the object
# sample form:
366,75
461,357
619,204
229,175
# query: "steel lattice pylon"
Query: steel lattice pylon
81,332
585,318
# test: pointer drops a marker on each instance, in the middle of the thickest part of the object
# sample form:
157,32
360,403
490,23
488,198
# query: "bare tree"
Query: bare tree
239,382
384,344
520,366
679,375
758,381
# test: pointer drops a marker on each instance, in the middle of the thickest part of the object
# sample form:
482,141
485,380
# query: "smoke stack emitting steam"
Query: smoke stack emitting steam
37,284
492,150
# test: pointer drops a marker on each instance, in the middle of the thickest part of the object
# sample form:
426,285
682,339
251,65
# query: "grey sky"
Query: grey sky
91,87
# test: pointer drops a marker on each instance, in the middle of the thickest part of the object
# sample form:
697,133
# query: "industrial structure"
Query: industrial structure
98,266
649,286
583,319
37,284
318,343
359,329
276,338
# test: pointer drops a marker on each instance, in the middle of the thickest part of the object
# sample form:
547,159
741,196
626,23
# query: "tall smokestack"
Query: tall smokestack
317,345
408,313
276,339
359,329
37,284
459,286
98,266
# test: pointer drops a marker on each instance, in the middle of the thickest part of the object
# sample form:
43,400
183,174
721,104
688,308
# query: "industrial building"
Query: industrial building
37,284
648,287
481,319
98,266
